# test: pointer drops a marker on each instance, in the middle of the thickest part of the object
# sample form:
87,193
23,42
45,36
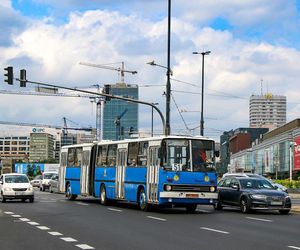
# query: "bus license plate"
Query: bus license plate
192,196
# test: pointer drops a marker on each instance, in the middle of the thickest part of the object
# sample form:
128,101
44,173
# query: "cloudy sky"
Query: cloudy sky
254,44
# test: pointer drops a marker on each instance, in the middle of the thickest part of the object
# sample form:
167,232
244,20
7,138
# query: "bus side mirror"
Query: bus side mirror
217,153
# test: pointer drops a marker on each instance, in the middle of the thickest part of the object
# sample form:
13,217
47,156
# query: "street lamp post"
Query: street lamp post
202,91
152,119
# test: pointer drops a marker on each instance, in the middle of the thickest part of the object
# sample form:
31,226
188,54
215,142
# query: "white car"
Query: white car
45,183
15,186
36,182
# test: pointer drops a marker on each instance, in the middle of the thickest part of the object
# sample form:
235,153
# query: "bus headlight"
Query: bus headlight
212,189
168,187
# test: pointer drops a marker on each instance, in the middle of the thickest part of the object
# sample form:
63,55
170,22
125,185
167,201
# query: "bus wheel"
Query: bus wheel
69,194
142,202
191,208
103,198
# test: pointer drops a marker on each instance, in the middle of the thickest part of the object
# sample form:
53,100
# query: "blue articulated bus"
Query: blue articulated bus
171,171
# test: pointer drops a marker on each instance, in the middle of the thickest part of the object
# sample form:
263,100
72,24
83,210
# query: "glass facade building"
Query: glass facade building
120,117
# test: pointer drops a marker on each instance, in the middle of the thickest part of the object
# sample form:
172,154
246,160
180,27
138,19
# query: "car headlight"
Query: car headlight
168,187
258,196
212,189
30,189
287,197
7,189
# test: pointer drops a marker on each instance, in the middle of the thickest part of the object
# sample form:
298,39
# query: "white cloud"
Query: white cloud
51,53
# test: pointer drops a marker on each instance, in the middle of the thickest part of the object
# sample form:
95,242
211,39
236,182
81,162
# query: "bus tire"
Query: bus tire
103,197
142,200
70,196
191,208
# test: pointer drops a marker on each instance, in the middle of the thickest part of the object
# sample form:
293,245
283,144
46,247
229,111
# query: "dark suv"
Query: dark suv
251,193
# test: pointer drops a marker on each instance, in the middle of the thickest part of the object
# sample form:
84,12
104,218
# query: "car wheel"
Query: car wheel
103,198
218,205
69,193
245,205
284,211
142,200
31,200
191,208
3,200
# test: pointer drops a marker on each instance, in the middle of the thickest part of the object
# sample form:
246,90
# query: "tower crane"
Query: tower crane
121,70
91,97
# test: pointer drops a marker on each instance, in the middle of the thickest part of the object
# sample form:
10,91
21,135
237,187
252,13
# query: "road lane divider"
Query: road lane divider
84,246
258,219
114,209
156,218
293,247
9,213
81,203
55,233
214,230
43,227
68,239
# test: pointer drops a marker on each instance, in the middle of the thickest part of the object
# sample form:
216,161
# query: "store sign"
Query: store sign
297,153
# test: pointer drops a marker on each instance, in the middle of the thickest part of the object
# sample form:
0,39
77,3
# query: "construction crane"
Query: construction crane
118,124
121,70
41,125
95,98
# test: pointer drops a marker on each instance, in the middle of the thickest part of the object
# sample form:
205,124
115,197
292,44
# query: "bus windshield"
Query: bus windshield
188,155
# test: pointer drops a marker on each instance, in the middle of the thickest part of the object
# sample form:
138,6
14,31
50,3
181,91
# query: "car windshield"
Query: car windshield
38,177
16,179
255,184
48,176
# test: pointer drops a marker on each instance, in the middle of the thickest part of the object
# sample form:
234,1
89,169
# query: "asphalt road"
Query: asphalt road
52,222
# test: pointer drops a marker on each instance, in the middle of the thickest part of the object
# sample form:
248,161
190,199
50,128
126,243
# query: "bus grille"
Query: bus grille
190,188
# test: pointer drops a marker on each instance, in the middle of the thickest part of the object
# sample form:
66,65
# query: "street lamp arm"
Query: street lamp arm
107,95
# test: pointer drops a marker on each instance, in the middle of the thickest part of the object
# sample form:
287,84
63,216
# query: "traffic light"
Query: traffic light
107,90
9,75
23,78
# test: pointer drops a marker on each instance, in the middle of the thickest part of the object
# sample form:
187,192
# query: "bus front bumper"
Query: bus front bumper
189,195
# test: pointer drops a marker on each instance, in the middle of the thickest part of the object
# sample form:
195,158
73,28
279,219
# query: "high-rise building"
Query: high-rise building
15,147
267,111
41,147
120,117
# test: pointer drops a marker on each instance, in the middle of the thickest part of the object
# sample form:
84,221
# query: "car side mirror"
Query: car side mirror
234,186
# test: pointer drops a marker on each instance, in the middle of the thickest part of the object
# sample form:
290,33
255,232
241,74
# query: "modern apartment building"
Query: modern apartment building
16,147
120,117
267,111
41,147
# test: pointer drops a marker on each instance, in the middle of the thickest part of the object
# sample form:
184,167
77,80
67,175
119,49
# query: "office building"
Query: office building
15,147
267,111
41,147
120,118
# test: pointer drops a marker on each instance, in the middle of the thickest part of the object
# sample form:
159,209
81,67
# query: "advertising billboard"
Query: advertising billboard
297,153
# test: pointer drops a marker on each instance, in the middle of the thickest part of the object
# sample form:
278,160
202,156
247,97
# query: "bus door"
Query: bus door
152,175
120,173
85,172
62,171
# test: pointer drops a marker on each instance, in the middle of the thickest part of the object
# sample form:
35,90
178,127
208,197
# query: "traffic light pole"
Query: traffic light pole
105,95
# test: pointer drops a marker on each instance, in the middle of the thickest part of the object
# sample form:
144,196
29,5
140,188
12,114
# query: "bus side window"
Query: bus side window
142,154
103,157
112,153
71,156
99,152
78,157
132,154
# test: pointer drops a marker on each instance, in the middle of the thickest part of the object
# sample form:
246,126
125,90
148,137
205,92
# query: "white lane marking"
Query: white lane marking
114,209
47,201
259,219
203,211
84,246
8,212
68,239
81,203
294,247
16,215
214,230
55,233
156,218
33,223
24,219
43,227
